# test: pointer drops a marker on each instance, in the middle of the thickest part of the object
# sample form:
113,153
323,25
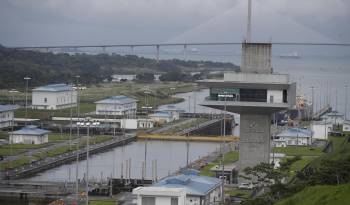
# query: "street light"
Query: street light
225,95
87,123
78,137
26,113
13,95
346,101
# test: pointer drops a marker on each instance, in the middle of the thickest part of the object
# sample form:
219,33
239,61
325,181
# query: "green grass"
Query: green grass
16,163
320,195
300,150
47,114
102,202
341,151
5,150
300,164
58,137
245,194
230,157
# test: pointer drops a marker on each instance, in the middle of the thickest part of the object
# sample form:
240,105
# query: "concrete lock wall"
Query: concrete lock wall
254,146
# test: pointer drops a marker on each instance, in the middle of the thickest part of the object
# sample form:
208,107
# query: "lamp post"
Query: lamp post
346,101
26,96
78,137
13,91
87,123
225,95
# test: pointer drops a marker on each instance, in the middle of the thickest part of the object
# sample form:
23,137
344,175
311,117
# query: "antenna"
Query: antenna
249,19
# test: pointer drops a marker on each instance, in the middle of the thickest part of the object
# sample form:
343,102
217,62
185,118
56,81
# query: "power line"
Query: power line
177,44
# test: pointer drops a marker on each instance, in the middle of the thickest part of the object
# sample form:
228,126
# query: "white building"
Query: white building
6,115
175,112
320,129
293,136
346,126
161,117
160,196
121,78
53,97
117,105
29,135
200,190
334,117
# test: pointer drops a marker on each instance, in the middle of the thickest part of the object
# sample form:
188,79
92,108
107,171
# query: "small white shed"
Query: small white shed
29,135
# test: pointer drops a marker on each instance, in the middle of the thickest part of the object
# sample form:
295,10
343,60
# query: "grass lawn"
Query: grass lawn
300,164
102,202
160,92
46,114
229,158
325,195
245,194
341,151
58,137
16,163
300,150
5,150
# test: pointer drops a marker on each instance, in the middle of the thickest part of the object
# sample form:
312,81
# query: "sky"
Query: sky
88,22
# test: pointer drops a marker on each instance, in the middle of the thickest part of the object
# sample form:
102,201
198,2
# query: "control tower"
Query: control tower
255,93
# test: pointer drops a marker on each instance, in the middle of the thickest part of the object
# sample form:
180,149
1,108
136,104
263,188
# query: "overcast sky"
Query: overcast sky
72,22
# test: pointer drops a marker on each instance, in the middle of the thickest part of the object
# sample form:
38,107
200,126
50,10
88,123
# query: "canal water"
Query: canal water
169,155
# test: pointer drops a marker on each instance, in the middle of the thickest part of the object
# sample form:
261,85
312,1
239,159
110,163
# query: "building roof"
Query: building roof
119,99
192,184
4,108
171,108
161,114
295,132
30,130
334,114
54,88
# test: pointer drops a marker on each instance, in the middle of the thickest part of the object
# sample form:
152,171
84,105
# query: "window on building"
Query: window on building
45,100
271,98
285,96
253,95
146,200
174,201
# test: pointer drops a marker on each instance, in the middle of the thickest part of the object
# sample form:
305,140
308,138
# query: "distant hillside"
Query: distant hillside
50,68
316,195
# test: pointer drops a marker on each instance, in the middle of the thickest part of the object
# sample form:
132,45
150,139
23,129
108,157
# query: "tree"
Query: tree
145,77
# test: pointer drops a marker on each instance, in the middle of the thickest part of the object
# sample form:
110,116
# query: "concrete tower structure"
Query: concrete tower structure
255,93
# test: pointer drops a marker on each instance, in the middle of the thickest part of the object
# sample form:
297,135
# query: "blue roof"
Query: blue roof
192,184
295,132
30,130
161,114
54,88
119,99
4,108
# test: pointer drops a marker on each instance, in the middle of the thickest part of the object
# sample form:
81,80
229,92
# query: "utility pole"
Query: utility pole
26,96
346,102
312,101
78,137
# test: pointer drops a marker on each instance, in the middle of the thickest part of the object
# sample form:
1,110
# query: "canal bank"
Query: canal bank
51,162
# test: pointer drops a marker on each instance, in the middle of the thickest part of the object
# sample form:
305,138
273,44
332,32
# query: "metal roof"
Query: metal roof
161,114
30,130
119,99
192,184
4,108
54,88
295,132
